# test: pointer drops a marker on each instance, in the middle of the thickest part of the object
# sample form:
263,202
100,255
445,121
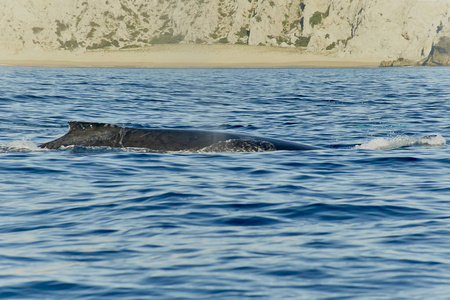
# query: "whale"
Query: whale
90,134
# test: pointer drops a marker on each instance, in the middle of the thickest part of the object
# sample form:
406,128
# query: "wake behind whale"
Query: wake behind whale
90,134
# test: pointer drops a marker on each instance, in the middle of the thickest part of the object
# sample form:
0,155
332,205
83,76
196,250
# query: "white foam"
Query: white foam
401,141
23,145
432,141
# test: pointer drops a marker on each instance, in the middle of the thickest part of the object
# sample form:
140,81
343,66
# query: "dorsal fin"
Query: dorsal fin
76,125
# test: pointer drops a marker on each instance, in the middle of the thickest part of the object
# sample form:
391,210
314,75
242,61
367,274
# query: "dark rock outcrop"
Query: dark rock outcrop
439,54
401,62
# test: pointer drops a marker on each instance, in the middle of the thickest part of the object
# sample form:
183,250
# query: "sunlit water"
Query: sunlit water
367,217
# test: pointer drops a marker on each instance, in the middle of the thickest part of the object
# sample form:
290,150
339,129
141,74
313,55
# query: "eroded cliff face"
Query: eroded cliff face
406,29
399,30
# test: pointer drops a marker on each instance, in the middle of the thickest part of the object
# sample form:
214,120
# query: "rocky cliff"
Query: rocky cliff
410,30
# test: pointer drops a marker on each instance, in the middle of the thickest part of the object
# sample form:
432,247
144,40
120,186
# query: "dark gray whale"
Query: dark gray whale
162,140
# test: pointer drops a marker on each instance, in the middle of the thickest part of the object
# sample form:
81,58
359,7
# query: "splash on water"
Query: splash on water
403,141
23,145
431,141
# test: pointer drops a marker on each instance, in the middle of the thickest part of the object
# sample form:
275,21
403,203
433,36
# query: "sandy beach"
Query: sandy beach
186,56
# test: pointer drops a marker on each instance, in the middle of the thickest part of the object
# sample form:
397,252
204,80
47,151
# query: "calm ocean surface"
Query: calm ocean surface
368,217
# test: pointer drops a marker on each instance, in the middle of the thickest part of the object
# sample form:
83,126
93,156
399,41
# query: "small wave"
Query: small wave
247,221
403,141
23,145
341,211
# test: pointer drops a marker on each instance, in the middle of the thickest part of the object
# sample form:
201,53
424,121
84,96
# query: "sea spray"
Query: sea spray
401,141
23,145
432,141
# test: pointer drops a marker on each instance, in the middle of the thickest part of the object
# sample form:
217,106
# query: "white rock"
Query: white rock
383,28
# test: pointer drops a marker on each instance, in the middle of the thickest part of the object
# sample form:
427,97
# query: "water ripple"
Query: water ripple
339,223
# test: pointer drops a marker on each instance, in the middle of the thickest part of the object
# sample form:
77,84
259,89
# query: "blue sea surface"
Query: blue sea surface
367,217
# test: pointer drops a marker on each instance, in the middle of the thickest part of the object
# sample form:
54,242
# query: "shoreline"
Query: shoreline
188,56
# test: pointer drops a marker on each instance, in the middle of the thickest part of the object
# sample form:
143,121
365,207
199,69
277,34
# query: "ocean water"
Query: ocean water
367,217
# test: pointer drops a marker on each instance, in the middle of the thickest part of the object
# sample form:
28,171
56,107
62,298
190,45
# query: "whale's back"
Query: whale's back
90,134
